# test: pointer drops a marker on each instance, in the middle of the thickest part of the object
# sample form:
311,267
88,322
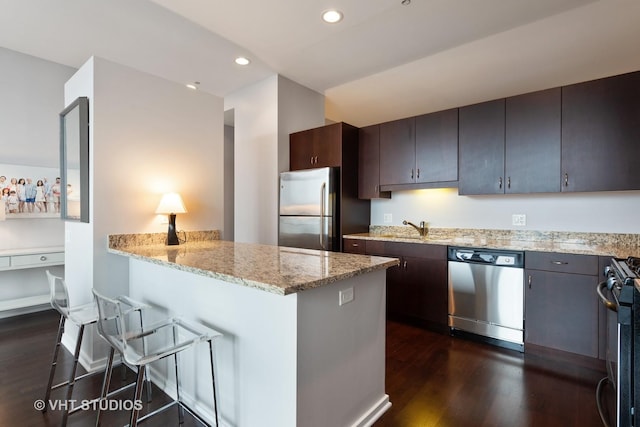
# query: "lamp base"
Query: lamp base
172,237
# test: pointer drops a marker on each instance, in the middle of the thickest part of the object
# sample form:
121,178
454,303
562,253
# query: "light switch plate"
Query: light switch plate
387,218
345,296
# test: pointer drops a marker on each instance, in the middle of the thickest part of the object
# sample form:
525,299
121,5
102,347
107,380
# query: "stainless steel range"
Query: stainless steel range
620,293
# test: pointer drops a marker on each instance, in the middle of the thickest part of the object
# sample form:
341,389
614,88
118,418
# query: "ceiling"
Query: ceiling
384,61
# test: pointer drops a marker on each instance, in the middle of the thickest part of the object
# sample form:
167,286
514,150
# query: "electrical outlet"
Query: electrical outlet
519,219
345,296
387,218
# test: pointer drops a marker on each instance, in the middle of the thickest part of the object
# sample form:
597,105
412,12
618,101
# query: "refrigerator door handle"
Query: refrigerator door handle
323,189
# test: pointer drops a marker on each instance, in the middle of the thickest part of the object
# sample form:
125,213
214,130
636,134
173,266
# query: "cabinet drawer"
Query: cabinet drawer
562,263
5,261
37,259
354,246
417,250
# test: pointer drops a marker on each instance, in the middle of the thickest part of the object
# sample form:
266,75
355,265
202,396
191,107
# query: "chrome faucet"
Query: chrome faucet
423,230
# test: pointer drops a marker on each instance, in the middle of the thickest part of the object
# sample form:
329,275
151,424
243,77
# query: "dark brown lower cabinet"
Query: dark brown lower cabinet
417,288
561,307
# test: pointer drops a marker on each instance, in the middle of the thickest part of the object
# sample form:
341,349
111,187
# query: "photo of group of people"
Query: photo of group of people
30,192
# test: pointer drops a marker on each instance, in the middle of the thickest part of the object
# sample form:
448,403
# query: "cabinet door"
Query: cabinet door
397,289
327,145
369,164
561,312
532,141
301,151
397,152
600,134
437,146
427,290
481,145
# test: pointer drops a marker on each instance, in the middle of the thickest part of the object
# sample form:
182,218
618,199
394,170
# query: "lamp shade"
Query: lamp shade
171,203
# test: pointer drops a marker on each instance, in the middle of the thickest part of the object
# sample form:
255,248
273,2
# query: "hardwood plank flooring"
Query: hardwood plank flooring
432,380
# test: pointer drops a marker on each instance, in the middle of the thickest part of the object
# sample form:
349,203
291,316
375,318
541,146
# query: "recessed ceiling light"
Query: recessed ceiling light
193,86
332,16
241,60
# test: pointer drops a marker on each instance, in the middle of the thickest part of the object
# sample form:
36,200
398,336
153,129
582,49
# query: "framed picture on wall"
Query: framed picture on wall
29,192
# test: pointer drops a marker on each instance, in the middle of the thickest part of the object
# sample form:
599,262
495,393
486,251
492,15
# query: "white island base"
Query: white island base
285,360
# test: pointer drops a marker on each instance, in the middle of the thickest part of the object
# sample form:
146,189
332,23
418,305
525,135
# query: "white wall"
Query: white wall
265,114
604,212
31,97
147,136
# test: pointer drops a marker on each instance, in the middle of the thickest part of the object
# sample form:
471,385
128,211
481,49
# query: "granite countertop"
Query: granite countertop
605,244
280,270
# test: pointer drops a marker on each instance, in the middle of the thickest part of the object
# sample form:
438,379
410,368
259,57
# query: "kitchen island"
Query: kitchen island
304,330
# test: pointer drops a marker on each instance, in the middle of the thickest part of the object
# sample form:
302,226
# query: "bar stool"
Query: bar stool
140,348
82,316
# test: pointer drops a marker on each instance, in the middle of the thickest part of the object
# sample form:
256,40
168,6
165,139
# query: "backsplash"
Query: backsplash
617,244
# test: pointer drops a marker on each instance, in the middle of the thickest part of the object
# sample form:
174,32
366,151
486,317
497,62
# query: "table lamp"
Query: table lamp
171,204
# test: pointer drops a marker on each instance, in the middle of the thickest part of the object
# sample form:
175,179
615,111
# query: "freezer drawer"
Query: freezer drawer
308,232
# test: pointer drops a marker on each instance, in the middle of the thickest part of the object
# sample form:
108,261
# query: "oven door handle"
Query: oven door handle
610,305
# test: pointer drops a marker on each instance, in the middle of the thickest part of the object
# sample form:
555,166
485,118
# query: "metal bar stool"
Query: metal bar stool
81,316
140,348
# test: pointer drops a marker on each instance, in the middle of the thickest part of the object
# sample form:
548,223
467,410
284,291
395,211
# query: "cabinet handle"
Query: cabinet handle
404,264
559,263
355,245
418,174
566,179
375,188
509,182
500,183
316,160
311,160
529,281
43,258
411,173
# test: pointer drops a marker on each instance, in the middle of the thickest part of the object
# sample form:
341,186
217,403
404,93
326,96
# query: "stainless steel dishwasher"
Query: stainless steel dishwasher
486,295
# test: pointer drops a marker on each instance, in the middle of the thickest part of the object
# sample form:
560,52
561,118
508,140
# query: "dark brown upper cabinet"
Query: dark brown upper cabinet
481,148
437,147
319,147
398,152
532,142
420,152
601,134
369,164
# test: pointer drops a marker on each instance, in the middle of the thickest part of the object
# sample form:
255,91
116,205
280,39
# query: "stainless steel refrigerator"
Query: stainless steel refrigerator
309,209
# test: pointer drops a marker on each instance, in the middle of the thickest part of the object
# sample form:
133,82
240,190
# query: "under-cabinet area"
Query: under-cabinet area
563,317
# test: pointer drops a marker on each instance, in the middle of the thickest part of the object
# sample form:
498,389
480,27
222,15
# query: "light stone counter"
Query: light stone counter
605,244
275,269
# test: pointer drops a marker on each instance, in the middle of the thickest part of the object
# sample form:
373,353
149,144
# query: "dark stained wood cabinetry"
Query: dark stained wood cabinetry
369,164
417,288
532,142
321,147
561,306
600,134
511,145
437,147
481,145
397,152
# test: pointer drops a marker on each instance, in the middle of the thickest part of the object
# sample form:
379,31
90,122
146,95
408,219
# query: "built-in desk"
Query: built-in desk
304,330
18,259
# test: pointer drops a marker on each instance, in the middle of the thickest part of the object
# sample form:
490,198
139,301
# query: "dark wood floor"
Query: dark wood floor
432,380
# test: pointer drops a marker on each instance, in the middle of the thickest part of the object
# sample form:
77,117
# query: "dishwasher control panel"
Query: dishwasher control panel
487,256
